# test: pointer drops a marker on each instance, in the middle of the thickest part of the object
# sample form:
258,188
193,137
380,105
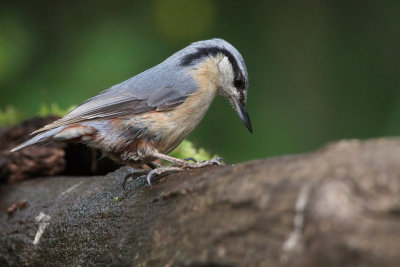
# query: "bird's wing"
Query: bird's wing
137,95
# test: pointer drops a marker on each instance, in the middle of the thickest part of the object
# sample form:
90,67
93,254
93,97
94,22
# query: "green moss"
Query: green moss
188,150
53,109
10,116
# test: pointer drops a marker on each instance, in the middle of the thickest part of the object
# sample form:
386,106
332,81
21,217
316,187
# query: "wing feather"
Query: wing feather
137,95
112,108
123,100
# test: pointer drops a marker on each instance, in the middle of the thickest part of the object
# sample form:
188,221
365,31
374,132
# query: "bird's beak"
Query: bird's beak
243,114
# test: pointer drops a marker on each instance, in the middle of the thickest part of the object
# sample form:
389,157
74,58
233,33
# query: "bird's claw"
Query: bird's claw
126,179
161,171
218,161
150,175
134,174
191,159
174,168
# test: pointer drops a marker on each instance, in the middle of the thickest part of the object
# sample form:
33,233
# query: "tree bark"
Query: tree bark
49,160
337,206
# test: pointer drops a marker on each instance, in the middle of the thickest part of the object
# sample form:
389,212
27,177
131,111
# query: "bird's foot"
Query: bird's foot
179,165
134,174
204,163
162,171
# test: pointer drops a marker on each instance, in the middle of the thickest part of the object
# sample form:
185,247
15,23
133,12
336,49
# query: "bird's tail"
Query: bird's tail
39,139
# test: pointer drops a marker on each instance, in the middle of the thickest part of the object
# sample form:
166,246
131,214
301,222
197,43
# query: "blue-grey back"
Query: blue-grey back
169,74
159,88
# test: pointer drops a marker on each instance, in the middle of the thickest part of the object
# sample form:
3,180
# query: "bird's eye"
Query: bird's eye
238,83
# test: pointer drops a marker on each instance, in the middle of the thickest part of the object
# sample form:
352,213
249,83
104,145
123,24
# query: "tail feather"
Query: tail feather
46,128
38,139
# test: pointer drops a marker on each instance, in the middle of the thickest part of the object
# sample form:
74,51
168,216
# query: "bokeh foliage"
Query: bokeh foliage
319,70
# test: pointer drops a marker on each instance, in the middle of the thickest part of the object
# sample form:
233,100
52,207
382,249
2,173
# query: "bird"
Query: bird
142,119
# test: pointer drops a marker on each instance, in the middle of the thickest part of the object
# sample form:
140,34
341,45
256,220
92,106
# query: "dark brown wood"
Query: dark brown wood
45,160
338,206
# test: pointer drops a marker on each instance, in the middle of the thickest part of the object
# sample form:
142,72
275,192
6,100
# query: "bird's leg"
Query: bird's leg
186,164
178,165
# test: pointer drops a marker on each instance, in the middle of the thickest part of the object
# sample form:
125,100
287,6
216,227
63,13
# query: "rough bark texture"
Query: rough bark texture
338,206
52,159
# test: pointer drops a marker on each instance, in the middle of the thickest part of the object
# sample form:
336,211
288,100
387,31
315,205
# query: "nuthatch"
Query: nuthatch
145,117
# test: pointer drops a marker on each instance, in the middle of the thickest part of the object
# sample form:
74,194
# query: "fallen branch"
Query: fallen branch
338,206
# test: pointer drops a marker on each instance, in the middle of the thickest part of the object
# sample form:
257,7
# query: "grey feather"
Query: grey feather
154,89
38,139
160,88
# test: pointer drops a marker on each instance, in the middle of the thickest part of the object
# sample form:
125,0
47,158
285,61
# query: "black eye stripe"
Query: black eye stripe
202,52
239,84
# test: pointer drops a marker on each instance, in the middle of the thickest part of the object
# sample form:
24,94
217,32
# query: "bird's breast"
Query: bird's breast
168,129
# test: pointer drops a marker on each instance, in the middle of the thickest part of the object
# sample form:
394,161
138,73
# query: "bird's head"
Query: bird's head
226,70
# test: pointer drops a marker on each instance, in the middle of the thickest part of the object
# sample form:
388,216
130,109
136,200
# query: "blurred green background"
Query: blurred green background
319,71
